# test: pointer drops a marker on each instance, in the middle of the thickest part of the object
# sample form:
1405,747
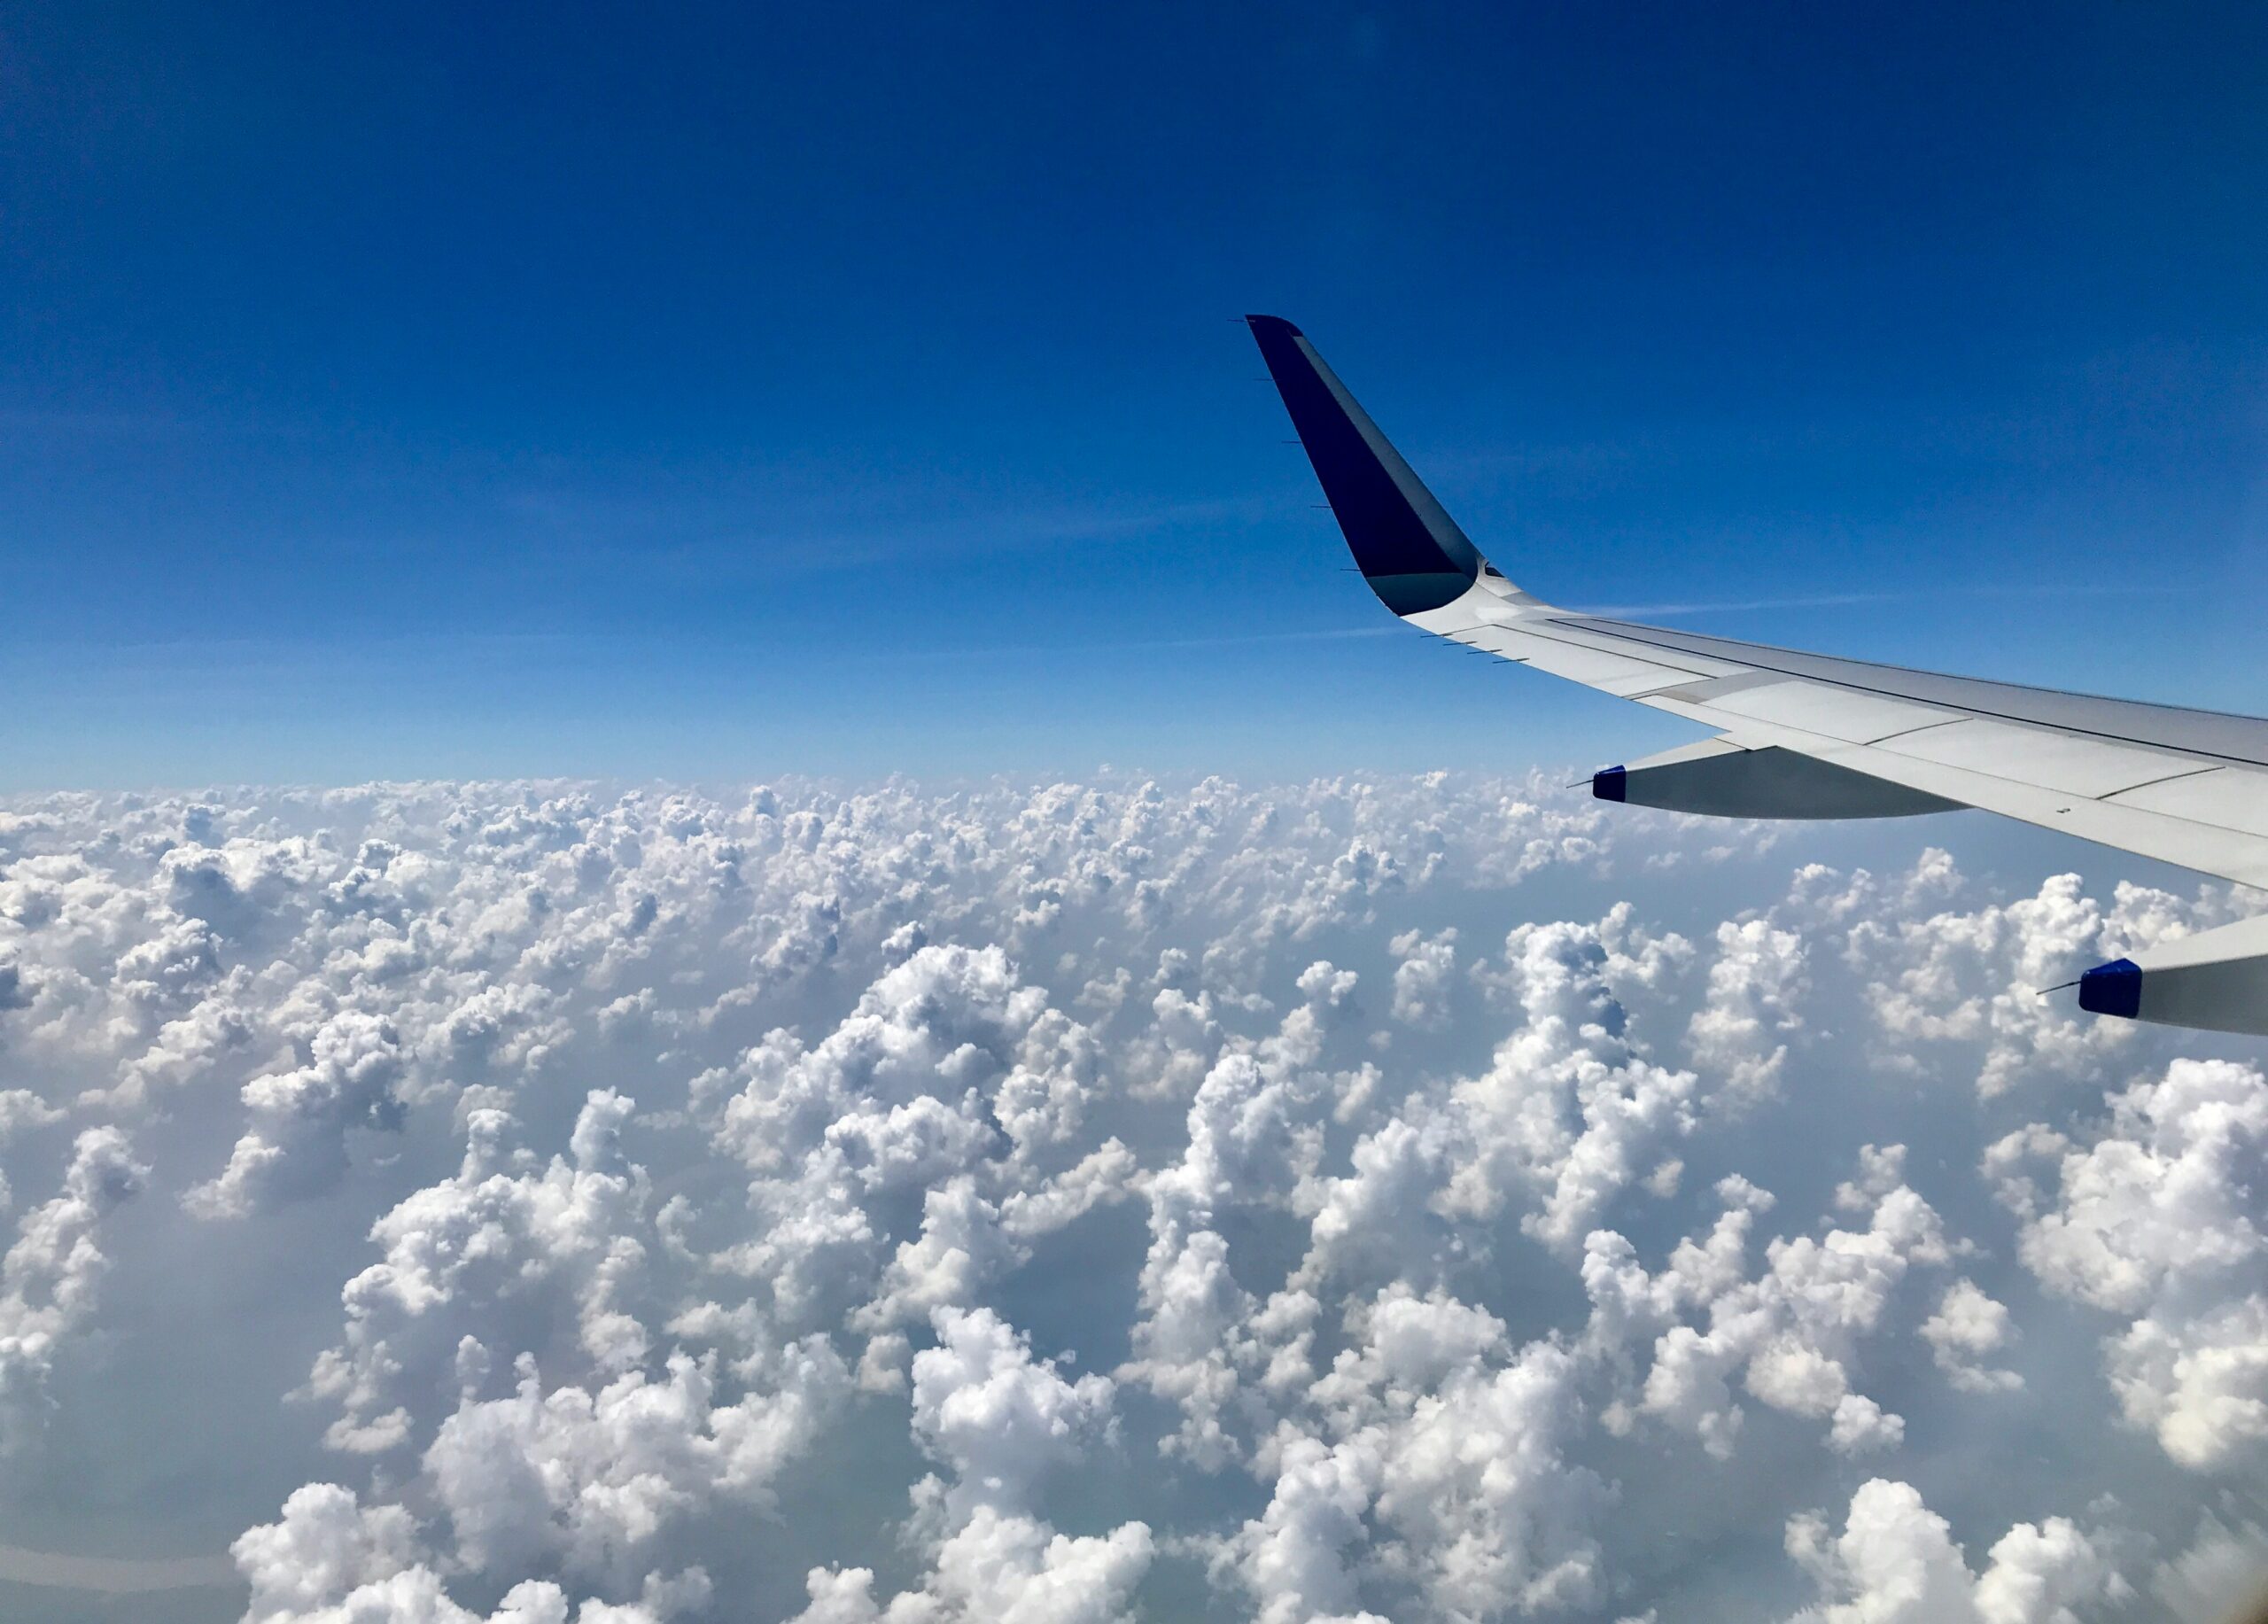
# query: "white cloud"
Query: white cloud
679,1183
1295,1558
1571,1109
1433,1465
1252,1139
501,1232
296,1143
591,1480
2158,1222
1004,1568
1967,1328
1791,1332
1751,1008
1422,979
51,1274
1973,978
1896,1563
998,1419
331,1561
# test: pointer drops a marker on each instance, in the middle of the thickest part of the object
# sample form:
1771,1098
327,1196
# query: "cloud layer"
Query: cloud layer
1411,1199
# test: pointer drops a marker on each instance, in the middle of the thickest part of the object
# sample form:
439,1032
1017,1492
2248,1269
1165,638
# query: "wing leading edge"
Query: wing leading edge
1810,736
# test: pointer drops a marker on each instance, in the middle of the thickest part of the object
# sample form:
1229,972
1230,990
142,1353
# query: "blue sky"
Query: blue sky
722,392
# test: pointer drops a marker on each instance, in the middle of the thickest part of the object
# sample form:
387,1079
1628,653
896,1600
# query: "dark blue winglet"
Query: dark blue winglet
1410,551
2113,988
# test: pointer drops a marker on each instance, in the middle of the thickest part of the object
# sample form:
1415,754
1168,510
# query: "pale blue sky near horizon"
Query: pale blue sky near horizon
729,392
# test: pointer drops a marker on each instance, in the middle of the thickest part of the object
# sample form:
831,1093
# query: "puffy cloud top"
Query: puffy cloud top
1375,1197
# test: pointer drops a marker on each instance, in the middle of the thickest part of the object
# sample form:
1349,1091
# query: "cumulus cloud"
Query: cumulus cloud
999,1421
1249,1143
501,1236
300,1118
1752,1007
590,1479
2159,1221
1571,1110
1436,1456
1375,1197
331,1560
1943,979
1790,1331
1422,979
1896,1563
50,1278
1001,1566
1968,1327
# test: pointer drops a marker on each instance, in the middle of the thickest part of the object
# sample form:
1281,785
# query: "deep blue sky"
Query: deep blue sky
655,391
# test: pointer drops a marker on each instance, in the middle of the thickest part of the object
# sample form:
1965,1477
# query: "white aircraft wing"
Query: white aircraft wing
1808,735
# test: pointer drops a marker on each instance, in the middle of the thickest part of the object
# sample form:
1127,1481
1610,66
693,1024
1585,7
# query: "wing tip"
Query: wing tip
1411,552
2113,988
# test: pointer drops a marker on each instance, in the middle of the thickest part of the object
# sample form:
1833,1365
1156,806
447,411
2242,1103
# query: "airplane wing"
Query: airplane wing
1808,735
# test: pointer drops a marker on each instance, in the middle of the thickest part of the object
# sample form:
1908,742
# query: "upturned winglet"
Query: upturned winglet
1411,552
